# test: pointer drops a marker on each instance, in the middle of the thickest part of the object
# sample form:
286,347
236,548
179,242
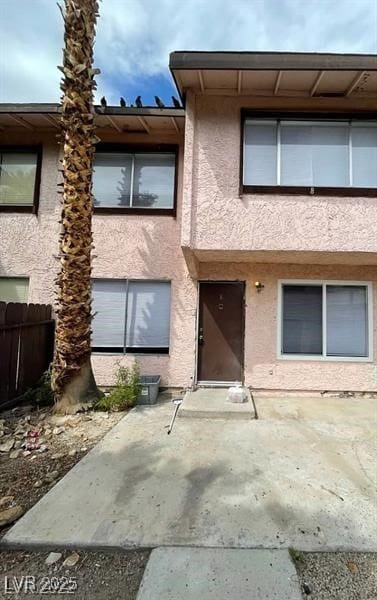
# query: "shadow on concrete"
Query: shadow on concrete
212,485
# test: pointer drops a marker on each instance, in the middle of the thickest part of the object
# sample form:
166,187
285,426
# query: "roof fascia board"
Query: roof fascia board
36,108
272,61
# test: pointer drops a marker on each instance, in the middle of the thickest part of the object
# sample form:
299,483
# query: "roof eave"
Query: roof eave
44,108
182,60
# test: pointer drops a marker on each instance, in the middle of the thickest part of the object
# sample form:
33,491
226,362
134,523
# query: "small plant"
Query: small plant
125,392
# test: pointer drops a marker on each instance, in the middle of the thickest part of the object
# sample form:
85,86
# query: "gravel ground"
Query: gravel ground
337,575
95,576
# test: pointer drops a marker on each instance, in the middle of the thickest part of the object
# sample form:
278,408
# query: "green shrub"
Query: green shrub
125,392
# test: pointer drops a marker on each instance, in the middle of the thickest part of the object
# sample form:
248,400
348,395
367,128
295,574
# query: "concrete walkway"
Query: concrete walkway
269,483
219,574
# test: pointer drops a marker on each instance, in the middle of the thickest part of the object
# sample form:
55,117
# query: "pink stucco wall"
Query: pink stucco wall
215,222
263,368
125,246
218,218
233,236
148,248
29,243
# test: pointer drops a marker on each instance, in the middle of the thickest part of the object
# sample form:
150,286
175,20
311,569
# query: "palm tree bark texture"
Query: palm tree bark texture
72,377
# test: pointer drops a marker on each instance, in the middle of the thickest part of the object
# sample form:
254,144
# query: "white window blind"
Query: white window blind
14,289
141,180
364,156
17,177
296,155
330,146
302,319
148,314
130,316
347,332
310,153
325,319
260,156
109,309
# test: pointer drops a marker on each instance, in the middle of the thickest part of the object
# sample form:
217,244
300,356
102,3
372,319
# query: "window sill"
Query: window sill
19,208
312,358
309,191
155,351
103,352
115,210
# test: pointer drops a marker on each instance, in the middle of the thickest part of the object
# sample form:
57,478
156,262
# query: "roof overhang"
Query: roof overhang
146,120
275,73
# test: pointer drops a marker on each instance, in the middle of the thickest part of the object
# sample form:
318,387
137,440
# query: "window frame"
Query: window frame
293,189
155,351
142,149
34,149
323,357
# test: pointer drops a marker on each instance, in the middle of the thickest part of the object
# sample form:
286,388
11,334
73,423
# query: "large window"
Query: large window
134,181
19,178
14,289
310,154
131,316
325,320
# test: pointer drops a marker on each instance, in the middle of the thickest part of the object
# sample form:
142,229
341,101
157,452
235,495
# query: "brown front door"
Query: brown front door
220,336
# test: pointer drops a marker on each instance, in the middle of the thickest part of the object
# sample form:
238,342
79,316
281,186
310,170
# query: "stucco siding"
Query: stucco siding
211,218
222,219
263,368
29,243
125,246
129,247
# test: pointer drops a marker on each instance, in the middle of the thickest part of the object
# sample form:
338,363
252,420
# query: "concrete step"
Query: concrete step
219,574
212,403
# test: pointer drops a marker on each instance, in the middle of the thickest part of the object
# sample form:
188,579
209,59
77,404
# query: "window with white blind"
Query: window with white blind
14,289
134,180
313,154
328,320
131,316
19,171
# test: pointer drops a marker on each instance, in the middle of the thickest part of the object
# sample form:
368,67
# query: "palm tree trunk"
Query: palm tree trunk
72,376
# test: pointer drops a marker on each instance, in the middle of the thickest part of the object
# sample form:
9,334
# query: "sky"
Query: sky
134,39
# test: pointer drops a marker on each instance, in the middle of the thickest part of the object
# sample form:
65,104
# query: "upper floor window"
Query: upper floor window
19,178
310,154
135,181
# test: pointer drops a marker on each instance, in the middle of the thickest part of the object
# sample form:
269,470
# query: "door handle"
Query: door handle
201,336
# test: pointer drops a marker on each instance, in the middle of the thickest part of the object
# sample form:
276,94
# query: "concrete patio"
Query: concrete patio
303,475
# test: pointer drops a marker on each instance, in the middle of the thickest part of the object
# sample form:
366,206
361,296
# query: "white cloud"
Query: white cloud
134,37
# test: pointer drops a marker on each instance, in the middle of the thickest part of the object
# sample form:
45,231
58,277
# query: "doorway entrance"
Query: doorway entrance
221,332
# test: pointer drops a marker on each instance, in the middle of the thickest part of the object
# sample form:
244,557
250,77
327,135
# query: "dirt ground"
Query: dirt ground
37,449
95,576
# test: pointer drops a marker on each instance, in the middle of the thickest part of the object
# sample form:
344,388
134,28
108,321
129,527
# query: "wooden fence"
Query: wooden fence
26,346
